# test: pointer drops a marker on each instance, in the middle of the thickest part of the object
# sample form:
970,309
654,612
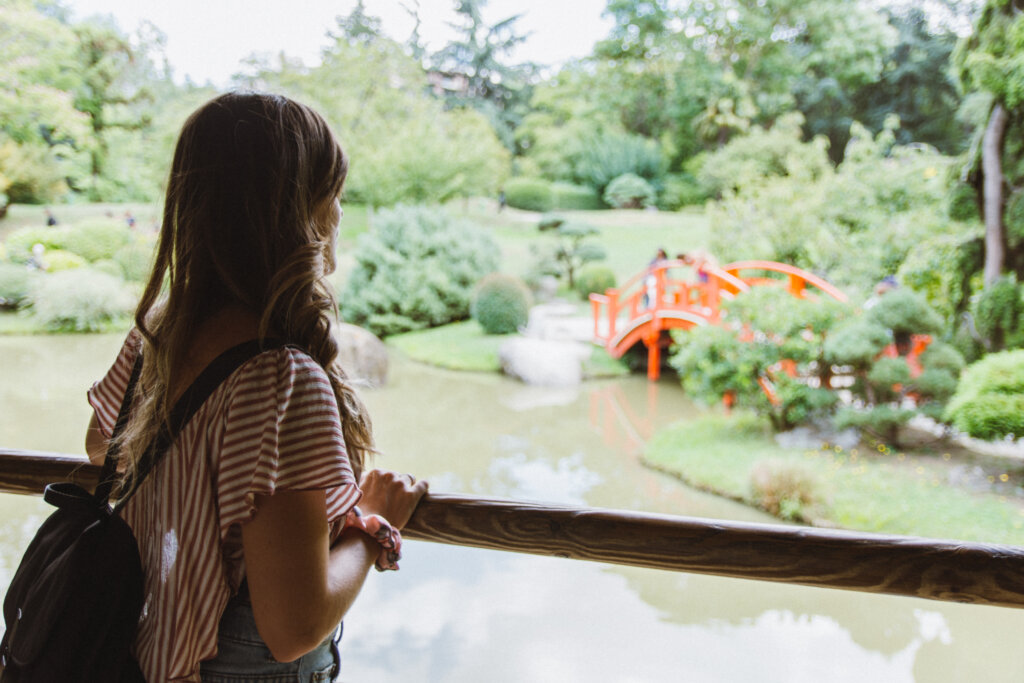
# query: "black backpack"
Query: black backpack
72,609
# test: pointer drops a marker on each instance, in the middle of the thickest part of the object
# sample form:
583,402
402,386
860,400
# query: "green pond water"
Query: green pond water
458,614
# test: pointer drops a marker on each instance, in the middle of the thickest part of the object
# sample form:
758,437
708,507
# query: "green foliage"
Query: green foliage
997,314
886,376
856,343
500,303
989,402
57,260
936,383
20,242
750,159
941,356
604,158
594,278
962,203
880,203
529,194
569,253
136,259
940,268
550,221
97,238
415,269
629,191
904,311
16,283
679,190
883,421
569,197
80,300
712,361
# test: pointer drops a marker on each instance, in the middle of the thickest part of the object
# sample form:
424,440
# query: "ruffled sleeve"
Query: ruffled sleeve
282,431
106,395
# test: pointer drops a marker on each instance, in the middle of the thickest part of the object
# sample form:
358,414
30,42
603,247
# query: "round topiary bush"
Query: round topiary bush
989,401
80,300
98,238
501,304
20,242
594,278
629,191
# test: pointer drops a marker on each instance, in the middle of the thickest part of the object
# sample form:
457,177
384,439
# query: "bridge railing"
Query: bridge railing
897,565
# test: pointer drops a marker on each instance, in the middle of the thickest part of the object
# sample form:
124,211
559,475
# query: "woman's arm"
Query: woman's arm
301,587
95,442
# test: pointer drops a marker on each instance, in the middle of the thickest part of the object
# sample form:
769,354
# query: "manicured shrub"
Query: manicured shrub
629,191
680,190
99,238
415,269
941,356
501,304
569,197
20,242
594,278
550,221
61,259
529,194
785,489
80,300
904,311
998,312
989,401
136,259
15,284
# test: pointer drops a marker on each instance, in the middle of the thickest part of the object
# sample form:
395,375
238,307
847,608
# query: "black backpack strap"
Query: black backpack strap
191,401
108,474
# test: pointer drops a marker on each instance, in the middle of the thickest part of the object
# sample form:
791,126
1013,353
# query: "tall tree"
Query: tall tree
484,80
991,61
114,77
916,84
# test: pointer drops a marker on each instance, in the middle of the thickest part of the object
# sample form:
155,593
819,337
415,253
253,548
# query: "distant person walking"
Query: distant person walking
51,220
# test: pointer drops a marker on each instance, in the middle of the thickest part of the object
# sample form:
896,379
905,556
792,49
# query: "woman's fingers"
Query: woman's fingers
392,495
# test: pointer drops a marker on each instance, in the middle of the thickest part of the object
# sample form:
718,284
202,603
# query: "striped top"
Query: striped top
272,424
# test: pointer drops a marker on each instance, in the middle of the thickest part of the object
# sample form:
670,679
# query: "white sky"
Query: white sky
207,39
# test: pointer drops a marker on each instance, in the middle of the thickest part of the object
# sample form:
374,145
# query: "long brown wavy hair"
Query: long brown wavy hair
250,171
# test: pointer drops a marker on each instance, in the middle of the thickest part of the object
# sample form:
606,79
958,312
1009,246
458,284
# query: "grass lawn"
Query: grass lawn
631,237
878,490
465,346
28,215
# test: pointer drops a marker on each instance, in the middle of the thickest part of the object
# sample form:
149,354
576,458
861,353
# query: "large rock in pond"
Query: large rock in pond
362,355
543,362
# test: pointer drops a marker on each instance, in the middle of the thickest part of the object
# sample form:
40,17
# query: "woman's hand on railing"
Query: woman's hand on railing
391,495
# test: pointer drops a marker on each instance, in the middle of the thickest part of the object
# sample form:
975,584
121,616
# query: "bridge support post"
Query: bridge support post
653,356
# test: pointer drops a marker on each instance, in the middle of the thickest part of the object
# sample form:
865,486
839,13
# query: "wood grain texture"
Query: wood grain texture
898,565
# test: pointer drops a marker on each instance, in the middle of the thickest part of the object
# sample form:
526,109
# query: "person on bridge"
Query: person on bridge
650,296
251,542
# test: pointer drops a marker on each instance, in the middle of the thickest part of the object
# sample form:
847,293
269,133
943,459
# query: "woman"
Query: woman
252,548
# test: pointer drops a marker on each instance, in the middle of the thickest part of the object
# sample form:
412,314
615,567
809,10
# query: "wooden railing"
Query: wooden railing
897,565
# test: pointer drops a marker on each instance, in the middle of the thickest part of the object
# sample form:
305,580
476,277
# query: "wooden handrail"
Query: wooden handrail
898,565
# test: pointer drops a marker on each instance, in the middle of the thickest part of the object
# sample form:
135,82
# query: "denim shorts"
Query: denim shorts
243,656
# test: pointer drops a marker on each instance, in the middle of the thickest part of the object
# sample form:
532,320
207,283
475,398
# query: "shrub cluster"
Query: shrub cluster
415,269
501,304
80,300
594,278
989,401
529,194
629,191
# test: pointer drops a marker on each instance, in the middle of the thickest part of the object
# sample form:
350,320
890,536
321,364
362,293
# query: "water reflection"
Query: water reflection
457,614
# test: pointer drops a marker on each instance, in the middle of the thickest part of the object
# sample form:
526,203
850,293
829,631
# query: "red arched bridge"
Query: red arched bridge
682,294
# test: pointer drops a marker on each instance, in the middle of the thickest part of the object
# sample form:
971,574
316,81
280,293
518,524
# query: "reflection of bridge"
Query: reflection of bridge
674,294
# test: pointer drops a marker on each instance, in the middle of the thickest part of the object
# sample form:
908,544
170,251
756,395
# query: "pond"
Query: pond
457,614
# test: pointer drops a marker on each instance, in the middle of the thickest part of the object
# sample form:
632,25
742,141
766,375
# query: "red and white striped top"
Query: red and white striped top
273,424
